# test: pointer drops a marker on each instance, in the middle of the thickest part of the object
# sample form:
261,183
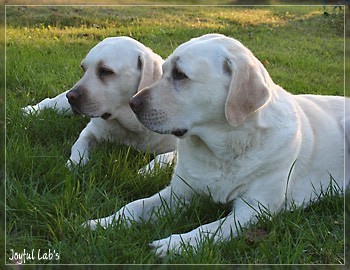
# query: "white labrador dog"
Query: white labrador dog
240,137
114,70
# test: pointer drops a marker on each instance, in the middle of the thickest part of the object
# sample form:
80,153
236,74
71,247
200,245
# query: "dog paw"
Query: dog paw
91,224
175,243
160,247
106,222
72,163
28,110
145,172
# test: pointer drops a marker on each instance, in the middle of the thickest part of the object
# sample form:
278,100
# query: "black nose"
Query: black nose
136,103
73,96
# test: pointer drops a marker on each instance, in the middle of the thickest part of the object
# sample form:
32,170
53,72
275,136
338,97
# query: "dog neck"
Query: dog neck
227,142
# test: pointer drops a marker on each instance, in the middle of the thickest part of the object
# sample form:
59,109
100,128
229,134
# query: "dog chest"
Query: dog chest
199,171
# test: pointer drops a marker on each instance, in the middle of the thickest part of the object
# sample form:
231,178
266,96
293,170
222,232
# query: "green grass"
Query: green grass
46,203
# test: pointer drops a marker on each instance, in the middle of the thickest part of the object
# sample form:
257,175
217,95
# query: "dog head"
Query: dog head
208,80
114,70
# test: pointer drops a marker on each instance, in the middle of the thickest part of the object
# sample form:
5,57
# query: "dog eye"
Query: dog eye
178,75
105,72
82,68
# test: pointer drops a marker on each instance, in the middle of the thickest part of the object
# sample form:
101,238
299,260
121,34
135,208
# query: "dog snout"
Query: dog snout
136,103
74,95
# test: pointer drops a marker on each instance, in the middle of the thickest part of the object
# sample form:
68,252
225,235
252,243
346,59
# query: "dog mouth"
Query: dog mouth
179,132
75,110
104,116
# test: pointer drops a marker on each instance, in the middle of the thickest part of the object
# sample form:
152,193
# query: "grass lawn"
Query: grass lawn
45,202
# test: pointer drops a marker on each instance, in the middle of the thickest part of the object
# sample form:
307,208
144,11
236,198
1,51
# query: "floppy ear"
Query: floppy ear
151,70
247,91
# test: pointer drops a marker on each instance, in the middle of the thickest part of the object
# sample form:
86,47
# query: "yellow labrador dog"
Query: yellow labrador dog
241,135
114,70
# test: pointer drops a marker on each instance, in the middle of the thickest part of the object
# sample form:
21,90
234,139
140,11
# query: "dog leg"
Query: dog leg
139,210
220,230
96,130
162,160
60,102
81,148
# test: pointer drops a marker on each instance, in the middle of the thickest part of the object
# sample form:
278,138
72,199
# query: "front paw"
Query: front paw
149,169
176,243
28,110
73,162
110,221
91,224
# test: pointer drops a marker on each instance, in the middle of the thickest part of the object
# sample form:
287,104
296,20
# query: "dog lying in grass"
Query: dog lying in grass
114,70
243,139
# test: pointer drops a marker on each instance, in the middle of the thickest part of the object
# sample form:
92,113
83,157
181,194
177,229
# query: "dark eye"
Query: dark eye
83,68
105,72
178,75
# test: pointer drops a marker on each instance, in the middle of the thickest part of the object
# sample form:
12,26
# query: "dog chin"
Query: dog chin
179,133
75,110
104,116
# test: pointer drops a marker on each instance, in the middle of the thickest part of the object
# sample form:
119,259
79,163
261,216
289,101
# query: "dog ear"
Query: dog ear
151,70
247,91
